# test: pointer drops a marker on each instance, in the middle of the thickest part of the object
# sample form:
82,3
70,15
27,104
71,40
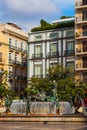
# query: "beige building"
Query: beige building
14,52
81,39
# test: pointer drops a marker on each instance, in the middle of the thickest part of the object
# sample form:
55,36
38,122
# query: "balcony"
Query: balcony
81,35
53,54
19,77
23,50
17,62
81,4
82,51
17,49
2,61
78,3
81,67
69,53
80,20
37,76
37,56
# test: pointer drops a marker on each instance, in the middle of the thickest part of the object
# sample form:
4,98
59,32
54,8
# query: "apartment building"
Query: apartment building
50,47
81,40
15,55
3,52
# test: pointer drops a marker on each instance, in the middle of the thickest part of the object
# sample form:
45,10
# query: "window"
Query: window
70,33
38,37
38,70
37,49
53,35
70,65
84,14
84,2
26,46
15,43
53,47
10,42
15,57
84,28
10,56
70,46
21,46
0,56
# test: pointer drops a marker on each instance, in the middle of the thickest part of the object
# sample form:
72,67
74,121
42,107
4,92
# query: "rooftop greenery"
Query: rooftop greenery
48,26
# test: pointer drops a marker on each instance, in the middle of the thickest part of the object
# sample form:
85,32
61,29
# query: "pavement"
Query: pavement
41,126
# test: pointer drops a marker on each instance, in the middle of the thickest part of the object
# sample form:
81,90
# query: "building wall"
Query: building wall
4,51
81,40
16,56
50,54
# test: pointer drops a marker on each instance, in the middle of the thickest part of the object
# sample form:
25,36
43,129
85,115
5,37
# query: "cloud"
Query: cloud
32,6
28,13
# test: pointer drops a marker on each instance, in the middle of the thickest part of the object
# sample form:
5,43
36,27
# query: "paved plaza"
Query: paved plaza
40,126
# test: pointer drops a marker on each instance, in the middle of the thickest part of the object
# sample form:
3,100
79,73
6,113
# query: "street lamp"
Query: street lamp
10,81
55,94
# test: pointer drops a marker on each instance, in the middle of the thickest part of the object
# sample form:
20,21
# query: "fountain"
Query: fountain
43,108
20,107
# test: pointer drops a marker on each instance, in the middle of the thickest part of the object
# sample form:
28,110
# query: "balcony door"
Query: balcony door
84,2
85,46
84,62
38,70
0,56
37,50
69,47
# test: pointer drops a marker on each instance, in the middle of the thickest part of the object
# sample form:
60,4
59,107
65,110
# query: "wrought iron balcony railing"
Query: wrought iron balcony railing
37,56
38,76
69,52
17,49
53,54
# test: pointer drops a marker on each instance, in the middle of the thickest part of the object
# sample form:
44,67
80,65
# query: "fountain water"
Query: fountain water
20,107
43,108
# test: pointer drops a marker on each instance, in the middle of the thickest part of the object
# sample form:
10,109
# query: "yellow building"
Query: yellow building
81,40
4,48
14,51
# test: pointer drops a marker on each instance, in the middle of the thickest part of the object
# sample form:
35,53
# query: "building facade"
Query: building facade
3,52
48,48
81,40
16,56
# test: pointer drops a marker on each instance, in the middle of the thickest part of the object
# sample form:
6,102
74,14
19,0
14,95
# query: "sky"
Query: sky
28,13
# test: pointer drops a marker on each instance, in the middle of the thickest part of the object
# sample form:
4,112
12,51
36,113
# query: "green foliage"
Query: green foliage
43,23
64,17
3,91
47,26
63,88
3,83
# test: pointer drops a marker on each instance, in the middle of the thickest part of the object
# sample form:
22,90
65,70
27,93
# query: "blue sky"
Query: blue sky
28,13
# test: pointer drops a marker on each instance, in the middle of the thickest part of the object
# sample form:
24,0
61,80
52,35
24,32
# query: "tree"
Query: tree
59,79
3,83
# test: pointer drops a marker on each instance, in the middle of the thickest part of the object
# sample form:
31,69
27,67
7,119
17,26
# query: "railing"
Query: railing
85,33
53,54
38,76
78,3
69,52
79,19
78,50
19,77
17,49
38,55
78,66
17,62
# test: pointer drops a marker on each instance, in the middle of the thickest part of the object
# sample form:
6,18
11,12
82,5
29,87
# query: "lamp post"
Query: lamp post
55,94
10,81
